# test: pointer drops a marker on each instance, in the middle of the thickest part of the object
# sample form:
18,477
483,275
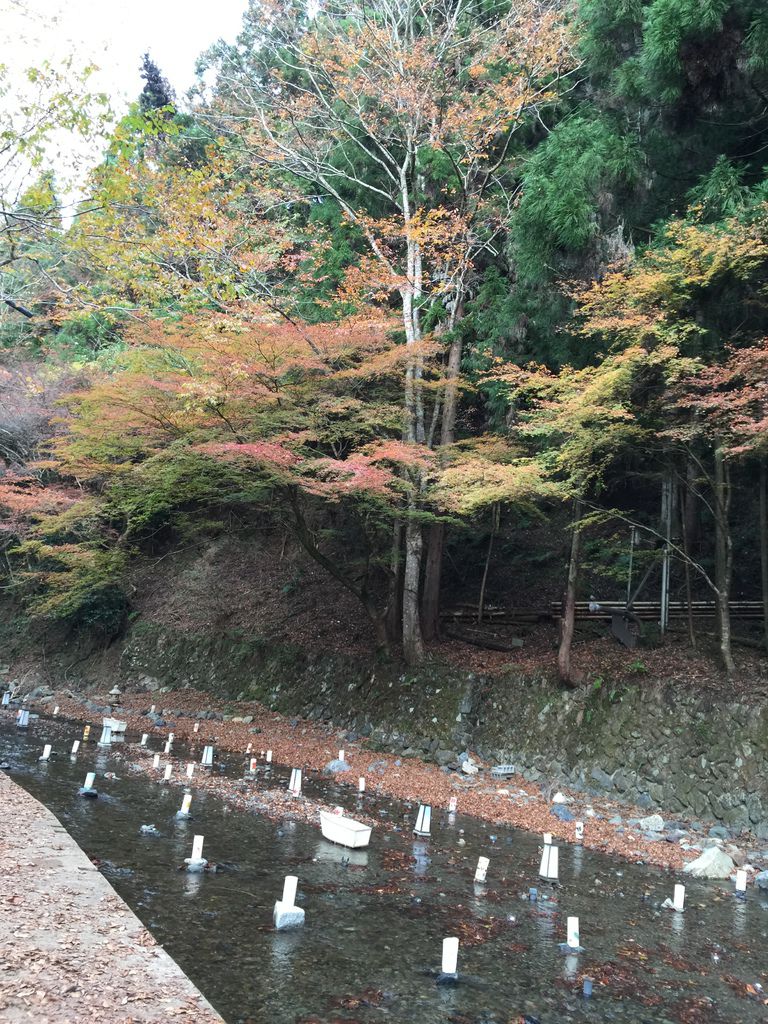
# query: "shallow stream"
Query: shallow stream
375,920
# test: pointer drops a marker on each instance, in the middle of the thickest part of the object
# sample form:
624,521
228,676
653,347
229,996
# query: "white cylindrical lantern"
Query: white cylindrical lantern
186,803
741,881
86,732
289,890
46,752
168,772
156,761
269,757
361,784
678,899
90,778
482,869
294,785
579,831
207,758
152,710
341,755
450,959
253,764
547,838
56,710
249,748
144,738
452,804
196,727
167,747
573,933
190,770
197,848
75,746
171,737
106,736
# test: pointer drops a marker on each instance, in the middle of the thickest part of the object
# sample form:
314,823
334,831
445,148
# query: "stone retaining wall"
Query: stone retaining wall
645,743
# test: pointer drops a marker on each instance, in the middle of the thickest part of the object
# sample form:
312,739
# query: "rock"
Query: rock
761,880
602,778
338,766
719,832
653,823
738,856
469,767
247,719
562,813
561,798
713,863
444,757
616,820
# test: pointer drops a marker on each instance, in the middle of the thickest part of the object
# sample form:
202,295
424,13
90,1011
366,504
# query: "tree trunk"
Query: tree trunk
430,601
394,614
495,515
764,543
569,609
685,497
413,644
723,557
433,571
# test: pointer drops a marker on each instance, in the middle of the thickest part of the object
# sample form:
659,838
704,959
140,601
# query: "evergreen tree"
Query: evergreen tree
157,92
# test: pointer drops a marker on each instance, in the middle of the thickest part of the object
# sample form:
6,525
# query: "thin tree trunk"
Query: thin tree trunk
723,557
433,571
495,513
764,543
684,499
569,610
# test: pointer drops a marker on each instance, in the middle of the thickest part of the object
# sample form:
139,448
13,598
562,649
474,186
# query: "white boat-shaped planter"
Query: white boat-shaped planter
344,831
115,724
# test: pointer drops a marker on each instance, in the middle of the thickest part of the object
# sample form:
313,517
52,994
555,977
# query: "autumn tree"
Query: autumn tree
402,116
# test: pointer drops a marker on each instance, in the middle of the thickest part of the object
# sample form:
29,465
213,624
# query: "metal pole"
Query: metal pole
631,554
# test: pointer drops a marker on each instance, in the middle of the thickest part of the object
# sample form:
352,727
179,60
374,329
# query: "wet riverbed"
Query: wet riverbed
375,920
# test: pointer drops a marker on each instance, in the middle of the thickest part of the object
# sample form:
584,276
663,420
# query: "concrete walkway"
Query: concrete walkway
70,949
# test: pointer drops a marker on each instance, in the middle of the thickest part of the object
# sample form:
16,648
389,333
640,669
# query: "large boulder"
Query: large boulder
653,823
713,863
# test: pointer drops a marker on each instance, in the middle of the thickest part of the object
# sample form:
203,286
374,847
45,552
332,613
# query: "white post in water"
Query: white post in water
253,764
144,738
579,831
75,746
23,720
56,710
294,785
156,761
269,757
186,803
423,820
46,752
741,882
207,758
482,869
190,770
196,727
106,736
547,838
90,778
548,868
249,748
452,805
341,755
171,737
450,959
6,699
286,914
361,785
678,899
167,747
152,710
168,772
86,732
196,862
573,933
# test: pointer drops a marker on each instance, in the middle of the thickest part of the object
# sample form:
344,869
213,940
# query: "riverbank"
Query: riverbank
308,745
70,948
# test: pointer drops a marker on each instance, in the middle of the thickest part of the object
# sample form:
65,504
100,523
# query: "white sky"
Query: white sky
114,34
